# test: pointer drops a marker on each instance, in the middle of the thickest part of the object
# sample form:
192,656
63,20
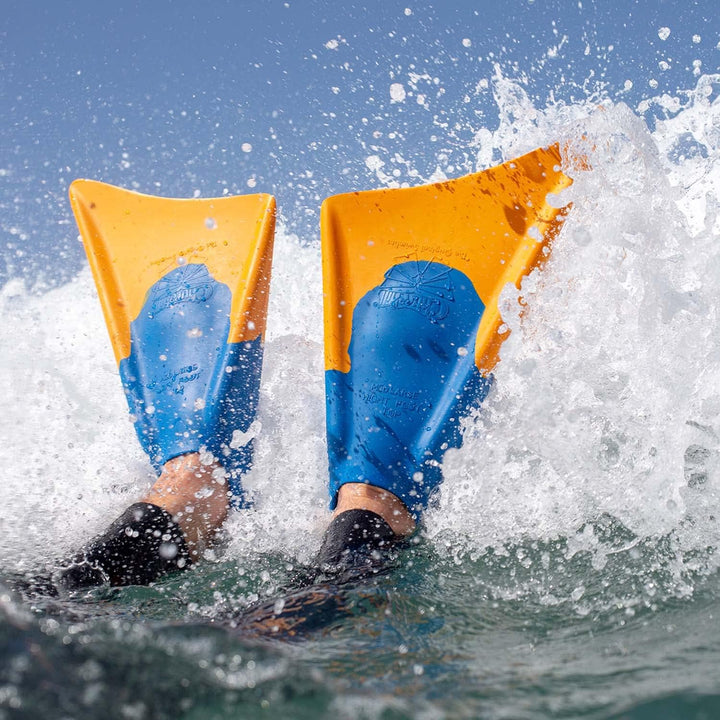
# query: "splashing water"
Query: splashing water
606,402
589,481
605,381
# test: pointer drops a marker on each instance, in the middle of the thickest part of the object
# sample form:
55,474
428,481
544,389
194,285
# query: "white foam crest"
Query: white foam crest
69,454
617,351
288,480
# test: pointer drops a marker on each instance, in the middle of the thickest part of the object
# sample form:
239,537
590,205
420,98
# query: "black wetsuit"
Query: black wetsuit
145,544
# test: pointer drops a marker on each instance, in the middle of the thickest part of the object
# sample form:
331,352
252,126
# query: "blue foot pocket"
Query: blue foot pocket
188,388
412,378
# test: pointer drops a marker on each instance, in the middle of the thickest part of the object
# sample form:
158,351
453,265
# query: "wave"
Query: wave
605,402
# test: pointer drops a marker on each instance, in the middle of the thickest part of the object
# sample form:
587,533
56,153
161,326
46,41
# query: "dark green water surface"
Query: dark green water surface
533,632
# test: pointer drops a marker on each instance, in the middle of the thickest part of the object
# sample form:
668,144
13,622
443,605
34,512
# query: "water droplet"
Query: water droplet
168,550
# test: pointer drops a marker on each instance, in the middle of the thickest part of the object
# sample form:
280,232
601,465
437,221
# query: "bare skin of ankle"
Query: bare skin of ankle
361,496
195,494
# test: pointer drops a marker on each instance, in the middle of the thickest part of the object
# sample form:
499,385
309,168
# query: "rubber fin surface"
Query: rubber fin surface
184,289
412,278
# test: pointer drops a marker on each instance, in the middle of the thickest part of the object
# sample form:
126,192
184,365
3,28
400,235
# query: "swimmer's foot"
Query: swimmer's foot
173,524
367,528
195,493
357,543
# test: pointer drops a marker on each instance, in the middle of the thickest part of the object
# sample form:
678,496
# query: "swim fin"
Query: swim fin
184,289
412,278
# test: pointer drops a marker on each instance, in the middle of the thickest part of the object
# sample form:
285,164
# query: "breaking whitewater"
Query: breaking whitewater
571,560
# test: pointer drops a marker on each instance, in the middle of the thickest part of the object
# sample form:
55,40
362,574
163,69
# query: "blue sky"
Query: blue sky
290,97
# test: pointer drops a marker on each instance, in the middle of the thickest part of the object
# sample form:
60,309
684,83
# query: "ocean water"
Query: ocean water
570,567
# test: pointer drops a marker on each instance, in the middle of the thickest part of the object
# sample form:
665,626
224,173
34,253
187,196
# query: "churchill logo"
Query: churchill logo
192,283
424,287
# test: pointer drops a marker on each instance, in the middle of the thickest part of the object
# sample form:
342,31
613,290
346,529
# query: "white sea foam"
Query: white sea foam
608,377
612,371
69,455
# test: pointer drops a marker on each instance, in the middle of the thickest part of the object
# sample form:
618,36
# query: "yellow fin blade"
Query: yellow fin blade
133,240
495,226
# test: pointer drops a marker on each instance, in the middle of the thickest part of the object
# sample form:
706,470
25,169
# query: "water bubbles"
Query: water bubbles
664,33
168,550
581,236
241,439
397,93
210,223
534,232
246,147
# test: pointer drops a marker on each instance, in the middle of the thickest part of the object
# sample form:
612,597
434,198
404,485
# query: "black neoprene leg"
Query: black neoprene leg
142,545
359,542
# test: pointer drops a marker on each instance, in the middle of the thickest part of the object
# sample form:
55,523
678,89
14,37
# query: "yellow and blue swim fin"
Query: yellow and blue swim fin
184,289
412,278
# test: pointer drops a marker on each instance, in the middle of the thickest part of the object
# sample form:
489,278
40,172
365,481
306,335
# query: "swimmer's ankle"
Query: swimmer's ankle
194,493
361,496
358,540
